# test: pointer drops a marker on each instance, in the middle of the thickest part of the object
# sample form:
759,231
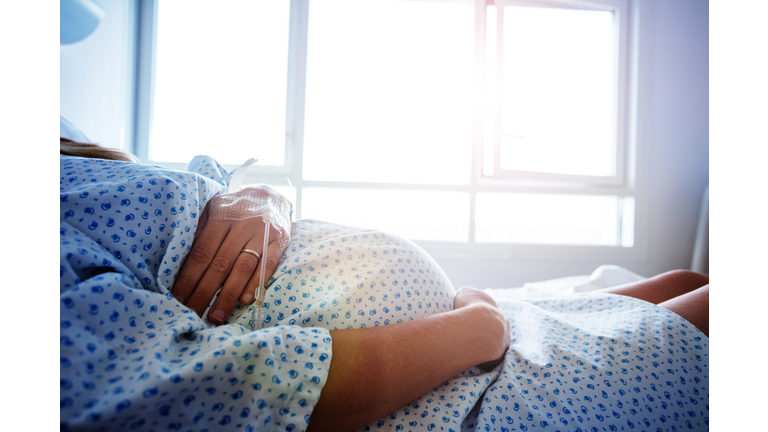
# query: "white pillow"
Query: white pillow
68,130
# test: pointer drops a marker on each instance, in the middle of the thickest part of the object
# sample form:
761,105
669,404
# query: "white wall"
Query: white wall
673,140
673,137
96,78
678,131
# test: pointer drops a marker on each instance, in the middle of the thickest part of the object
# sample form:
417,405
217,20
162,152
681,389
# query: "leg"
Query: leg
693,306
663,287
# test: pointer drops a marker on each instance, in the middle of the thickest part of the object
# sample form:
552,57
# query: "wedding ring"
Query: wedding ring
251,251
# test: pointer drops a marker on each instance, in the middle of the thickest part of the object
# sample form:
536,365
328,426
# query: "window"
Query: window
220,85
475,126
552,91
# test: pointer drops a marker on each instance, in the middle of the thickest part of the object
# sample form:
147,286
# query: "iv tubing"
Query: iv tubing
260,289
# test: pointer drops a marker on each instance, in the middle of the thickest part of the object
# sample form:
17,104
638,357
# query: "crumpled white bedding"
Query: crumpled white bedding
605,276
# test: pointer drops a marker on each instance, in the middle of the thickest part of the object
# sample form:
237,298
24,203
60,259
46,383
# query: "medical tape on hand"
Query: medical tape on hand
255,201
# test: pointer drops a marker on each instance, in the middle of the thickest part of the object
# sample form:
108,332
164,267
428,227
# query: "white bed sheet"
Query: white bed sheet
603,277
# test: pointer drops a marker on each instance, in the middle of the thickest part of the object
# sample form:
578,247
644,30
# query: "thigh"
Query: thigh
663,287
693,306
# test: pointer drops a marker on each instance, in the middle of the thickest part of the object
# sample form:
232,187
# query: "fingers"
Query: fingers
216,261
242,272
270,265
244,279
467,295
222,265
203,251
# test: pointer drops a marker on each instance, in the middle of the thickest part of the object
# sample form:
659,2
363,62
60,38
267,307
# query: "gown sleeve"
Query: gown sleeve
134,358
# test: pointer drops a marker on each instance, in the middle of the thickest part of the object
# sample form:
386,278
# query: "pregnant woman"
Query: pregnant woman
361,327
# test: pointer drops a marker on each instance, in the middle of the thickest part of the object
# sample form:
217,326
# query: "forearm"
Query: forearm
375,371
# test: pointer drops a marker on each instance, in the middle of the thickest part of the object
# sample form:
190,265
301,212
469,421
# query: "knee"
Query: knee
686,277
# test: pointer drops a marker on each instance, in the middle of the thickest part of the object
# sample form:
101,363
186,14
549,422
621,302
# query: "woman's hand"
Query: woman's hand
229,224
405,360
496,324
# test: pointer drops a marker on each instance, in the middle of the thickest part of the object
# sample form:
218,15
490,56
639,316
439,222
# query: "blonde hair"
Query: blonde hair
95,151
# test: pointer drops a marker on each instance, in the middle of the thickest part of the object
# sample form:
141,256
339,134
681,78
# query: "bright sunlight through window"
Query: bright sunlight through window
388,100
220,80
419,117
558,90
441,216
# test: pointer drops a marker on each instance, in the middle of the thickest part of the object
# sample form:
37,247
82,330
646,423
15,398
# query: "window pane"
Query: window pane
388,94
489,89
220,80
628,222
558,91
415,215
547,219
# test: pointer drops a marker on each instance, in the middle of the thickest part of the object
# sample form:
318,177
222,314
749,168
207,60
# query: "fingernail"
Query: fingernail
247,297
217,315
181,299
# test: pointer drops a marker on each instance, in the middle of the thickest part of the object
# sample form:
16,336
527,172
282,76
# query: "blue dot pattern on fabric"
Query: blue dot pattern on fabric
587,362
338,277
131,356
581,362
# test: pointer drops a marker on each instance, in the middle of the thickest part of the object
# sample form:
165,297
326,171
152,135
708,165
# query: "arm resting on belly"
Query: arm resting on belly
375,371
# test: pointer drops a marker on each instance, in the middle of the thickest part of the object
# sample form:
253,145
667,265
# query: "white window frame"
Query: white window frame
623,184
621,32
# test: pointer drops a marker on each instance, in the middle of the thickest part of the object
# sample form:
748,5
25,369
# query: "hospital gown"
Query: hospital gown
133,356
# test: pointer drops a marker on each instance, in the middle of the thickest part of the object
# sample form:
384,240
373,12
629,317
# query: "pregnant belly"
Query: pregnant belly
338,277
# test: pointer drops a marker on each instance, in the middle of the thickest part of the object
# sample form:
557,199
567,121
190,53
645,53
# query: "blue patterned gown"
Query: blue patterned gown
132,357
